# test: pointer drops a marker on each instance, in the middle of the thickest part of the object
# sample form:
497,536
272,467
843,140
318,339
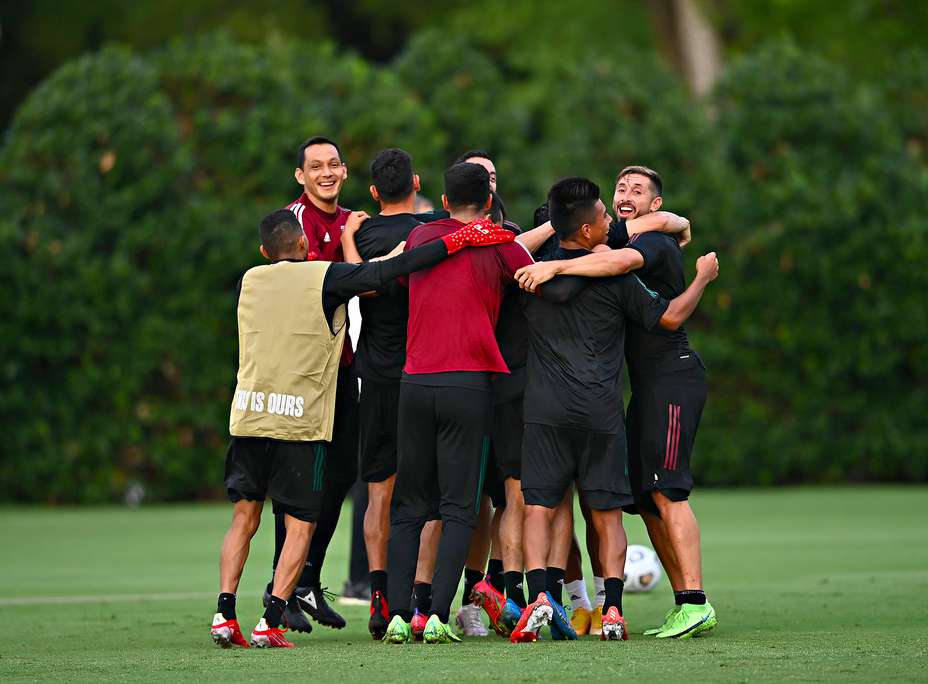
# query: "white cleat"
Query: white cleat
470,621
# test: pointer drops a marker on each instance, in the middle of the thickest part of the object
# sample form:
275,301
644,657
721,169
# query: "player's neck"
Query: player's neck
406,206
466,215
329,207
575,244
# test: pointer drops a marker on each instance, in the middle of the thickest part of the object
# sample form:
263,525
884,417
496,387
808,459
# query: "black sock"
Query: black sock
554,584
422,597
614,587
514,588
310,575
536,583
471,577
694,596
273,614
495,574
379,581
226,605
280,536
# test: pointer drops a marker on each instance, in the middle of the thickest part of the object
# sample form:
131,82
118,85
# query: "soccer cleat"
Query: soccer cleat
226,633
437,632
397,631
561,629
596,621
469,621
534,617
690,621
581,620
380,616
614,628
510,617
355,593
417,624
313,601
485,595
668,619
293,615
263,636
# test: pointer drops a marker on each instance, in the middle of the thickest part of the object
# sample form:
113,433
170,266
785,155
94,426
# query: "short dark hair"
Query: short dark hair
653,175
467,185
471,154
315,140
570,204
541,215
497,208
391,174
279,232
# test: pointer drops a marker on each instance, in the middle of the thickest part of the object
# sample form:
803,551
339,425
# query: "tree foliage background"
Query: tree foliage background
132,180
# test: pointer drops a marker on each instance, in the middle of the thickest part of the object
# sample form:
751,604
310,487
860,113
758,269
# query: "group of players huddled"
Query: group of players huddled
491,390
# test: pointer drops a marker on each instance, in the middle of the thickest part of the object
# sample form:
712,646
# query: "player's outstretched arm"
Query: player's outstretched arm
349,248
682,307
597,265
536,237
661,222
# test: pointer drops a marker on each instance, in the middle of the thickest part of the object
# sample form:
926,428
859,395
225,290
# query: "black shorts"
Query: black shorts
493,486
506,436
553,457
663,416
342,461
378,410
290,473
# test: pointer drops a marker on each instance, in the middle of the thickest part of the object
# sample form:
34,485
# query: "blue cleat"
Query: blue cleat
510,616
561,629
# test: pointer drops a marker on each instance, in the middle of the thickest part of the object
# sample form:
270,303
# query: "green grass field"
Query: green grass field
809,585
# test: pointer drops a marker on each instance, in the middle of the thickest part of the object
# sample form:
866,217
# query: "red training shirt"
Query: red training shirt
454,305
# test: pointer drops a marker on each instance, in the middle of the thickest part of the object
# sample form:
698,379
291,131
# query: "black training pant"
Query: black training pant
443,445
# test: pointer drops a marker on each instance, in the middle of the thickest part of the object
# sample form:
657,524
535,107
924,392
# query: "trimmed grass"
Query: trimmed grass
809,585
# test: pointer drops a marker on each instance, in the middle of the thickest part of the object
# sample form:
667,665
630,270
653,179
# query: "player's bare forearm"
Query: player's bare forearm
662,222
535,238
682,307
349,249
597,265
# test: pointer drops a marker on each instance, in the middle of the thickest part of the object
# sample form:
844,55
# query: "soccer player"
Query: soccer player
322,173
445,403
281,418
574,427
669,389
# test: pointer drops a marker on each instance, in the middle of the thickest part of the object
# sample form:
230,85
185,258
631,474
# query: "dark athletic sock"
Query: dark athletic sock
614,587
696,597
379,581
422,597
537,583
495,574
471,577
280,536
273,614
554,584
226,605
334,497
514,588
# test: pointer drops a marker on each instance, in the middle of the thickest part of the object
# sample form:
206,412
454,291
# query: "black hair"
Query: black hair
467,185
651,174
471,154
541,215
570,204
391,173
315,140
497,208
279,232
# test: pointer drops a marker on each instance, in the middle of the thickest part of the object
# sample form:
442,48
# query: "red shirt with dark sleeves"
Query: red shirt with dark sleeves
454,305
324,234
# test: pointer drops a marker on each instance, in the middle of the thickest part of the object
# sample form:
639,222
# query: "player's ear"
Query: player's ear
444,202
488,204
656,203
416,185
264,252
374,193
298,174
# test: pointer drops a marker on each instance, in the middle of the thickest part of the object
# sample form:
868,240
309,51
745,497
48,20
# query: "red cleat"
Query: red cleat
226,633
485,594
614,628
417,625
269,637
536,616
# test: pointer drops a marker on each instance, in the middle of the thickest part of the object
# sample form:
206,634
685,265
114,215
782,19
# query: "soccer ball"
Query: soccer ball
642,569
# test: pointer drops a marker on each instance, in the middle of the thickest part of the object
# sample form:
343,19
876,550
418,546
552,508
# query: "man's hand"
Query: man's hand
685,236
707,267
355,219
479,233
396,251
531,276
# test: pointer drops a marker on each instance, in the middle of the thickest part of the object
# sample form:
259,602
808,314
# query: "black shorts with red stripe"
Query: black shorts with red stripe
661,424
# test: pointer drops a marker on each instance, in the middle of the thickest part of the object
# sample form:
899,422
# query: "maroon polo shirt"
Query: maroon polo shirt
454,305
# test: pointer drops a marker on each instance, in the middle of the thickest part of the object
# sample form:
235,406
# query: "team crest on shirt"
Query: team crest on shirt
327,238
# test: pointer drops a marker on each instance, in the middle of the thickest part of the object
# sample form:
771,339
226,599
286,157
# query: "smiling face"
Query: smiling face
323,173
635,195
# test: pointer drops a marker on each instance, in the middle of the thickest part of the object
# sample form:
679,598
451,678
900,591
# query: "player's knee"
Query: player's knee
246,519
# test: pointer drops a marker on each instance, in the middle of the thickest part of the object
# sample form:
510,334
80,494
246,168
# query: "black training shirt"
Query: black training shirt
576,351
381,351
659,350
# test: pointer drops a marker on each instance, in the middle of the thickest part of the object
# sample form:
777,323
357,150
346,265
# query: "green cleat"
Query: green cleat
437,632
398,632
690,621
668,620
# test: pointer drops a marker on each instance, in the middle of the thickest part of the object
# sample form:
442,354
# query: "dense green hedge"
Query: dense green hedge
132,185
